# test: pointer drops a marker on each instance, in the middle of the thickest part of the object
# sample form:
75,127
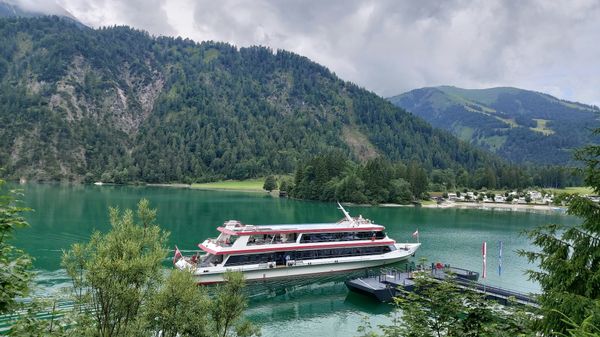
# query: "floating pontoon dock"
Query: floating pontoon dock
389,283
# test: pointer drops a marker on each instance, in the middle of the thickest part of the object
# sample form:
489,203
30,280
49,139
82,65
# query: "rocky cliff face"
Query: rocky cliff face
123,102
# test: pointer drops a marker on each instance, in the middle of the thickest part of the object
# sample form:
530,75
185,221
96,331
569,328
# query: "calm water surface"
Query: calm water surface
68,214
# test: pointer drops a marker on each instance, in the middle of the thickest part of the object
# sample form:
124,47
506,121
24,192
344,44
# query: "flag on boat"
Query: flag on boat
484,253
177,255
415,234
500,246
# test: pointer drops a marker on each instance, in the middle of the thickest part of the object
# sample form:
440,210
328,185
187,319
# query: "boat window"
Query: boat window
235,260
211,260
265,239
341,236
226,240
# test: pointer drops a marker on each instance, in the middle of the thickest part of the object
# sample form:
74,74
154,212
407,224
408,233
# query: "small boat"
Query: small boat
276,251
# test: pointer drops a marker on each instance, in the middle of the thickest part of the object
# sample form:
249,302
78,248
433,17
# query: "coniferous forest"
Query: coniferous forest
118,105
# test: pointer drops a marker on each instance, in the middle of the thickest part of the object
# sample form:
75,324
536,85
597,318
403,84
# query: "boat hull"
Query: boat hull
307,268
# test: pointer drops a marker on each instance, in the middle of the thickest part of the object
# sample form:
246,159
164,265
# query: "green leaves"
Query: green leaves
114,273
439,309
119,287
179,308
569,260
14,263
227,308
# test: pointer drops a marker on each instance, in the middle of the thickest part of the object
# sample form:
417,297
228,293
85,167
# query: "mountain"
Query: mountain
120,105
520,125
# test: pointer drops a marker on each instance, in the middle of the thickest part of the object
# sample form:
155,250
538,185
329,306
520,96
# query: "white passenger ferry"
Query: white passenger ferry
266,252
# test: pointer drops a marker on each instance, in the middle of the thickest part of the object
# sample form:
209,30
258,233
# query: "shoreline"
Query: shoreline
447,204
498,206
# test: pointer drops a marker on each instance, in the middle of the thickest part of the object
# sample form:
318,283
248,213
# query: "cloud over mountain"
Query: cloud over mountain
393,46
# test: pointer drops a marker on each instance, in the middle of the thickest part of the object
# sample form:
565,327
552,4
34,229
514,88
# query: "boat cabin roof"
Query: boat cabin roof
234,227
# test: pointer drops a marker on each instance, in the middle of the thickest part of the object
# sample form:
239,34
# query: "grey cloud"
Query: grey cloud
43,7
149,15
394,46
391,46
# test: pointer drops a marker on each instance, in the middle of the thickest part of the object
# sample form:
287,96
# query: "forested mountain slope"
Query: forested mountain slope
520,125
117,104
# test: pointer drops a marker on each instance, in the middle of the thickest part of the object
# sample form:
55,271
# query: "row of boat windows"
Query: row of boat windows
258,240
281,258
341,236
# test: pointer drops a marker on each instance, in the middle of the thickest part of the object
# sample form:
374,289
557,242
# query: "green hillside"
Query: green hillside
521,126
116,104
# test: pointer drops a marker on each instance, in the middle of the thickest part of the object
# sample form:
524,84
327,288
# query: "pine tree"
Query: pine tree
14,263
569,259
270,183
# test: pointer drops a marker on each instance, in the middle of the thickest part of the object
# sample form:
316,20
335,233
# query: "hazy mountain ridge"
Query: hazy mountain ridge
520,125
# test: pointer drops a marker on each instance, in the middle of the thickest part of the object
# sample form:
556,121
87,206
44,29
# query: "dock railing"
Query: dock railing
391,277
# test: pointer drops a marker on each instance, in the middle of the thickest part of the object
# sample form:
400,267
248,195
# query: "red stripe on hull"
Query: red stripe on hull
296,248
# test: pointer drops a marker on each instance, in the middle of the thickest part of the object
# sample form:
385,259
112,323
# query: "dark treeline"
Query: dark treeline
332,176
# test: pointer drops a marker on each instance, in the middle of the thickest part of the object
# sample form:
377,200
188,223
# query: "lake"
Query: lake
66,214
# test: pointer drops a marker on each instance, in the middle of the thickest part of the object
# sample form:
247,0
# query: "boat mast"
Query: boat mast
346,214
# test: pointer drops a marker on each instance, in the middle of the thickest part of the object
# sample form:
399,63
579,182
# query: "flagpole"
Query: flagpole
484,255
500,247
415,234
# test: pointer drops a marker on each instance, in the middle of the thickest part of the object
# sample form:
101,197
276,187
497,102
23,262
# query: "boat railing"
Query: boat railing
221,243
356,221
262,242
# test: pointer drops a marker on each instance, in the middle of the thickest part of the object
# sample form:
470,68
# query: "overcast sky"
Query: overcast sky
393,46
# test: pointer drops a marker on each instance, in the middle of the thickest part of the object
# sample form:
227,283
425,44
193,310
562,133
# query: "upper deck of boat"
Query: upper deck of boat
233,227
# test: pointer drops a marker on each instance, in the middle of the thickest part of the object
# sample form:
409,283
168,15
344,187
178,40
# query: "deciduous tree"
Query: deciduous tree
115,273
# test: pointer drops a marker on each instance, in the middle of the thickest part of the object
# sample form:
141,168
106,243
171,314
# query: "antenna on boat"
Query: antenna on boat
346,214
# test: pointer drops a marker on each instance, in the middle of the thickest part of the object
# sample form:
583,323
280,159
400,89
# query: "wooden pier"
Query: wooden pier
388,283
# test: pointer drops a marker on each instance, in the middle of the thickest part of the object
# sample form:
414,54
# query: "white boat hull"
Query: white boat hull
305,268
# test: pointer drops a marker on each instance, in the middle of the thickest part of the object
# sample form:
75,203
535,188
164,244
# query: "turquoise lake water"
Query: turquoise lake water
66,214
